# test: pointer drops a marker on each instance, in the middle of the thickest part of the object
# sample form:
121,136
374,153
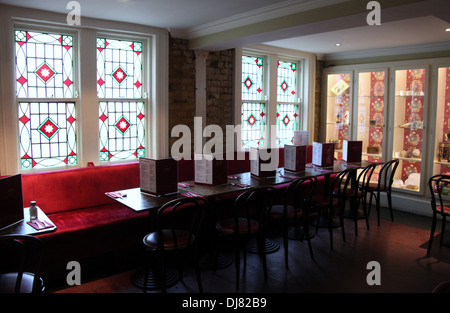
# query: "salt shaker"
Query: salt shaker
33,210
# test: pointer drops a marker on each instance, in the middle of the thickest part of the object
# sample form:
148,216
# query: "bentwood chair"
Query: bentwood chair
360,195
178,225
294,212
248,220
333,204
439,186
385,179
21,261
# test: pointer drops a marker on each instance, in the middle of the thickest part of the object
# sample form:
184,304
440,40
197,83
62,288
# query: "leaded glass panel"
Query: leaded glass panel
287,82
253,124
119,68
44,65
121,130
287,123
252,78
47,133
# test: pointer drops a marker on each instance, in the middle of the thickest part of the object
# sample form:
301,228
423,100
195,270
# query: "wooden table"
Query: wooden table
22,227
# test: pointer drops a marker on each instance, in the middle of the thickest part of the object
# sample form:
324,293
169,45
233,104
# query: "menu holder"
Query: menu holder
352,151
294,158
301,138
262,163
210,169
158,176
323,154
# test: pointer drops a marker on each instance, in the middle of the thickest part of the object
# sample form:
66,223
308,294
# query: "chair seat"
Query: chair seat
8,283
152,240
446,209
323,202
278,210
226,226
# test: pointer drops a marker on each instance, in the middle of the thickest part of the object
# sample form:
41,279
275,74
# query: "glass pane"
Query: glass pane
442,138
252,78
287,123
44,65
287,82
338,109
47,132
119,68
122,130
253,124
371,108
408,126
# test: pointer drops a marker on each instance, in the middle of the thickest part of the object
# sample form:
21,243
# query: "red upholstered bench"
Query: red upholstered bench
89,223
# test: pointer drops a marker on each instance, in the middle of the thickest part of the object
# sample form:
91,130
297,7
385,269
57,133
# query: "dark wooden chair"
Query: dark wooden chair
21,261
295,211
248,221
359,197
178,225
440,204
333,204
385,179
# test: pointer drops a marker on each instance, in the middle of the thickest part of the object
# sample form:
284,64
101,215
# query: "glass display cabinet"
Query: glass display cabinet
441,164
370,124
339,94
409,139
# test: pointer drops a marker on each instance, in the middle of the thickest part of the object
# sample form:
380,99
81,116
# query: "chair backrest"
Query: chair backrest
386,175
254,205
439,186
342,183
303,191
365,176
21,254
185,213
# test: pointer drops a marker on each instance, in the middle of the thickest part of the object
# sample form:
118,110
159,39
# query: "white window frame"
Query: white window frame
306,82
157,110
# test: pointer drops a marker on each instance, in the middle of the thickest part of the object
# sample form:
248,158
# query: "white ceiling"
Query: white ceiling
419,25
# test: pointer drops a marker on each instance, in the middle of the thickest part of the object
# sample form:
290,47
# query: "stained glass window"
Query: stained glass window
287,123
252,78
122,130
288,102
44,65
253,110
45,69
47,133
119,76
119,68
253,124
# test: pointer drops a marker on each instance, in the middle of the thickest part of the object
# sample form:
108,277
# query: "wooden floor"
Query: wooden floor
399,247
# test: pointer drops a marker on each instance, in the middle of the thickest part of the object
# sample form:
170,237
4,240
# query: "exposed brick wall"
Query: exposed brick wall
318,100
181,86
219,87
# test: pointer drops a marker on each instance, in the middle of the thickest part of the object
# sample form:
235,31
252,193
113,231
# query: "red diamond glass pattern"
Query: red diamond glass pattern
248,83
45,72
119,75
122,125
251,120
286,120
48,128
284,85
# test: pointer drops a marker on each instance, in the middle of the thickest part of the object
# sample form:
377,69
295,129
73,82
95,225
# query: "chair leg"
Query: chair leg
443,229
330,226
389,198
377,207
433,228
237,258
306,233
364,207
286,243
